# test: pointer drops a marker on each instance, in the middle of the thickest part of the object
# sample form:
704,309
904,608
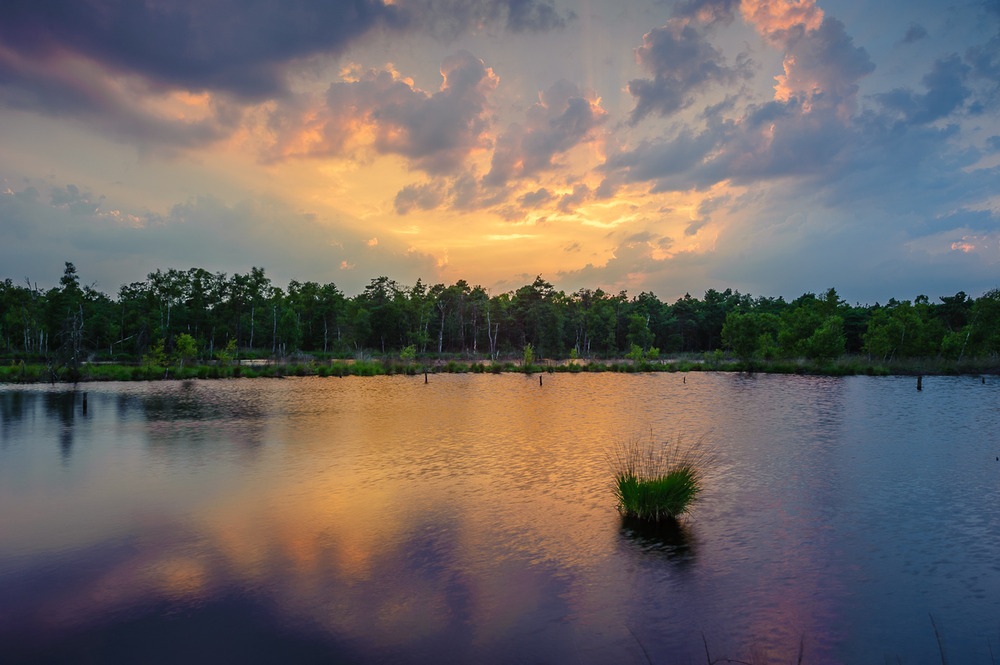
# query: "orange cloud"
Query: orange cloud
773,18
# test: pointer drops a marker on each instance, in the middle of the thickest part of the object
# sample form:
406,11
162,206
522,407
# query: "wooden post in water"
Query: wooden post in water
425,375
920,380
84,403
539,379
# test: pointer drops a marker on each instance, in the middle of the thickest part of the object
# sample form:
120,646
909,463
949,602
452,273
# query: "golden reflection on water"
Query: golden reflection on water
472,508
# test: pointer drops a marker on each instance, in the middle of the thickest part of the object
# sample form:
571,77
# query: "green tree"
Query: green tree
185,347
827,341
741,333
289,333
639,333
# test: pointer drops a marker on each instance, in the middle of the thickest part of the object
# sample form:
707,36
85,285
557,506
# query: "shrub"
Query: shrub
529,356
656,481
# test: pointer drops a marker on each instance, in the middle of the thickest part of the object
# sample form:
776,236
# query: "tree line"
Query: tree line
209,314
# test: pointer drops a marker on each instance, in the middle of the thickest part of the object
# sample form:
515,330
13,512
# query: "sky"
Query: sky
774,147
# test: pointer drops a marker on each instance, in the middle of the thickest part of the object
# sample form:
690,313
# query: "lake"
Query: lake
471,519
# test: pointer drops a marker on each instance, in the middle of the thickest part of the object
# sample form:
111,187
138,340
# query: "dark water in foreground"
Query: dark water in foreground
471,520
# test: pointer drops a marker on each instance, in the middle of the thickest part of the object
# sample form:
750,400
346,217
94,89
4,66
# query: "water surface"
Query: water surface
471,520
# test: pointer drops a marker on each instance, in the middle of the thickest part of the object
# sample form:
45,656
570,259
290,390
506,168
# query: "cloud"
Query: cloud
708,11
563,118
241,47
383,111
804,131
421,196
682,62
984,59
915,33
946,93
531,16
779,19
72,199
580,194
446,19
65,85
535,198
236,46
822,67
120,66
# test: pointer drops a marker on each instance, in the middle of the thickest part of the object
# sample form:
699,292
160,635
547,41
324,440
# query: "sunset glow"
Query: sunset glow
770,146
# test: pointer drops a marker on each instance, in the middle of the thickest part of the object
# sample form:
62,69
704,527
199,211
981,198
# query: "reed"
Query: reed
657,481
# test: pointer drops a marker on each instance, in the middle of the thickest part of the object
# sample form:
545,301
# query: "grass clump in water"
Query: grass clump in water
656,481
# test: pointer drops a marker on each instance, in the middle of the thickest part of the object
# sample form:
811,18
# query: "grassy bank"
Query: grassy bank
27,371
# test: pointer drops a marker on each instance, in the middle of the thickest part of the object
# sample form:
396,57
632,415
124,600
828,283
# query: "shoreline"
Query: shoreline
19,372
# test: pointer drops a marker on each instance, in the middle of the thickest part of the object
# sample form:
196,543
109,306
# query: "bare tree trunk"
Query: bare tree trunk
441,331
491,334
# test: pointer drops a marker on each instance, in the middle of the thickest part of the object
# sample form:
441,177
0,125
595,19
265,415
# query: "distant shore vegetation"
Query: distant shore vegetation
194,323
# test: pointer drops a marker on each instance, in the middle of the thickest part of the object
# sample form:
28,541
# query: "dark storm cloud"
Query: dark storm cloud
946,92
105,62
682,62
237,46
85,92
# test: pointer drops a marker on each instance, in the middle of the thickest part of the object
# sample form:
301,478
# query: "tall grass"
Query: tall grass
657,481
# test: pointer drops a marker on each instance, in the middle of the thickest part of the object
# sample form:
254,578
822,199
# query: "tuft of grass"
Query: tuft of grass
656,481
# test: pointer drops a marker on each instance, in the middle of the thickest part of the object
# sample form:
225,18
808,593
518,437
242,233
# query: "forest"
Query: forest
208,316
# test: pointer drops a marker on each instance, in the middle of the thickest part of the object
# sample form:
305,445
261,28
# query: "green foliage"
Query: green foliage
827,341
635,353
185,347
529,355
656,481
246,315
227,354
408,353
741,333
156,357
